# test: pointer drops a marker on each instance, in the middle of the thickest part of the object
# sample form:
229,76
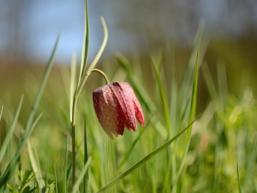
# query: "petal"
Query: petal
136,105
139,113
121,121
127,106
106,110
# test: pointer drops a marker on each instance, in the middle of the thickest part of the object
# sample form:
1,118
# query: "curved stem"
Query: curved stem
97,57
73,119
102,74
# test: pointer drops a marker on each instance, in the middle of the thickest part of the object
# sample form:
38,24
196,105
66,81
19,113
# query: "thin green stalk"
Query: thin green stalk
163,96
72,82
73,135
9,135
73,141
77,93
81,176
66,170
140,91
72,115
35,167
238,179
85,46
85,180
125,158
1,112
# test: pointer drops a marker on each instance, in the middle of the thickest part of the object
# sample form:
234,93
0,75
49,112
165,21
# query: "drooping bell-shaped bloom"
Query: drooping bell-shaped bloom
117,108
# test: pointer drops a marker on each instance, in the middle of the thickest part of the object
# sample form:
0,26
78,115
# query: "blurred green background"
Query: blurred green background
137,29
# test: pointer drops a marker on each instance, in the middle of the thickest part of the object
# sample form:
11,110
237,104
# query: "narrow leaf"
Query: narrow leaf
140,92
1,112
163,96
81,176
144,160
34,165
85,46
238,179
9,135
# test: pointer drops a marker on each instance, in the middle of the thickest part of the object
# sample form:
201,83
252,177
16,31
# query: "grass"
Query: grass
12,163
181,149
223,134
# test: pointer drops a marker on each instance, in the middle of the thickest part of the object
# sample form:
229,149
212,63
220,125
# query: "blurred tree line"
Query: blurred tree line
144,23
136,28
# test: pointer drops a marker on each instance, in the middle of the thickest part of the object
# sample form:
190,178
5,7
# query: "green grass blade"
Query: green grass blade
209,82
163,96
85,179
174,98
66,169
142,95
238,179
9,135
56,181
36,169
249,174
195,89
125,158
81,177
85,46
72,82
222,82
144,160
1,112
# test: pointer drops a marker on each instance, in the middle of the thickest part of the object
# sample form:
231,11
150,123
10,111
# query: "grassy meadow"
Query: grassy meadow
199,134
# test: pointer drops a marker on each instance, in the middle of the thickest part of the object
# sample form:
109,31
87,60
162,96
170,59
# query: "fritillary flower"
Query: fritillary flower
117,108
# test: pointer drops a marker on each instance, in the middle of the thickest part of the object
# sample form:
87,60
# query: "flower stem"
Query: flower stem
102,74
85,184
73,126
73,137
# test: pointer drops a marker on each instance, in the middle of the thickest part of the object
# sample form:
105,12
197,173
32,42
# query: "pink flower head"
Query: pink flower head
117,108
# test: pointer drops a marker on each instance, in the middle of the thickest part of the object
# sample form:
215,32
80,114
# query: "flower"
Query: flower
117,108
